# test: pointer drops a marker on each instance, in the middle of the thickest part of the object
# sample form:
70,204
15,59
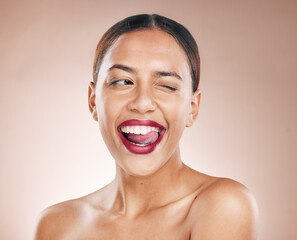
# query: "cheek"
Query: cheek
111,108
105,115
176,109
108,109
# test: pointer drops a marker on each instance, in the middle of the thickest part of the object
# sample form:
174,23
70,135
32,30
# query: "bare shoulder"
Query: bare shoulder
56,220
71,217
224,209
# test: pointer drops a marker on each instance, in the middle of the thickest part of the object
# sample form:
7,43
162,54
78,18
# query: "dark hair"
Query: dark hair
154,21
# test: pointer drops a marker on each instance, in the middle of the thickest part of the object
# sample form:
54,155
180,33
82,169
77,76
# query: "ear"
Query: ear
195,103
91,100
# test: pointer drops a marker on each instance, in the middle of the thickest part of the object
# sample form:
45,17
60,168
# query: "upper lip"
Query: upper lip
138,122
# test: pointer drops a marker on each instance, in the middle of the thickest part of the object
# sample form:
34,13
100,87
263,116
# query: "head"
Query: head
145,91
154,21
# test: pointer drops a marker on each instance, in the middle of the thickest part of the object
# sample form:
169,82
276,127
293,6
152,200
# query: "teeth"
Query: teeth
139,129
140,144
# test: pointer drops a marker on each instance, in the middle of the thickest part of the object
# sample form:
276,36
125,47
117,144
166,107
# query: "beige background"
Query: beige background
51,149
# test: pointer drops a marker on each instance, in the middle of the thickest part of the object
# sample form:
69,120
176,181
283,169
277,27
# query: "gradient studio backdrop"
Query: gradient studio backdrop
51,149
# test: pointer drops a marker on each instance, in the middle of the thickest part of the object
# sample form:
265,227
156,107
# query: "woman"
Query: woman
145,92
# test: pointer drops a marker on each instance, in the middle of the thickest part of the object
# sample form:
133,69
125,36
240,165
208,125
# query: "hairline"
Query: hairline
152,27
142,22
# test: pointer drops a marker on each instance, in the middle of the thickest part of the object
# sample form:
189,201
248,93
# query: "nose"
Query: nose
143,101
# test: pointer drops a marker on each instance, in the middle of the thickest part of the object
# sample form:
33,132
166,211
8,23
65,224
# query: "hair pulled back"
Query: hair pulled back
154,21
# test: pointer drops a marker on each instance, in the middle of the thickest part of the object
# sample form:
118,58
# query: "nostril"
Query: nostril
142,104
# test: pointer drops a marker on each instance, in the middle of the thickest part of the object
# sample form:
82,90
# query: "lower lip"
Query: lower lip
133,148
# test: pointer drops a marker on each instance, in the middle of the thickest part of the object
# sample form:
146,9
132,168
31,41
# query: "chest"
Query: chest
161,224
145,230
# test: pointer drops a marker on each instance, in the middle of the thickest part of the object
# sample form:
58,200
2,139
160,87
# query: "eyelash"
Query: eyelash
128,82
168,87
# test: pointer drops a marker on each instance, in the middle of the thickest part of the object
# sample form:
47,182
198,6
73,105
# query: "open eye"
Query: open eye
122,82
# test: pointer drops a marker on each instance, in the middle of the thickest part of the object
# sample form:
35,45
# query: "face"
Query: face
143,100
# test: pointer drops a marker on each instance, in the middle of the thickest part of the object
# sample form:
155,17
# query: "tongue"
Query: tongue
148,138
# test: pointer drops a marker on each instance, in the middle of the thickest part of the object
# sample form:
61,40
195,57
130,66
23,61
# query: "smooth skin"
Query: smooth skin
145,75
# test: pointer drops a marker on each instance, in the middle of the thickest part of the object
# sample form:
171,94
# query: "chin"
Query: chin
140,166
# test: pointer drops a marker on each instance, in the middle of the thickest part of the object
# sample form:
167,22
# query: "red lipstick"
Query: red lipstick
133,147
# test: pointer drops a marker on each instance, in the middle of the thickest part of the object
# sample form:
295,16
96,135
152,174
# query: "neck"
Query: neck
136,195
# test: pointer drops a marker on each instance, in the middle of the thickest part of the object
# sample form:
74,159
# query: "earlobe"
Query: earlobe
91,101
195,103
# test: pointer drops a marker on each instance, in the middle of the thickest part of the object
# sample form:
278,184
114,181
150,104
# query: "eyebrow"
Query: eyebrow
167,74
156,74
122,67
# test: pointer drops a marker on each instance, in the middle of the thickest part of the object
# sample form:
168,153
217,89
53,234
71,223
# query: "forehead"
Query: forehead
147,48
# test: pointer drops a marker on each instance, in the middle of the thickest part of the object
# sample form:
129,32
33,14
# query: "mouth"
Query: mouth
141,136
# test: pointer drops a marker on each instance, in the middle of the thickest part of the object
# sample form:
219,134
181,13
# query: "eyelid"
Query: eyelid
115,81
169,87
